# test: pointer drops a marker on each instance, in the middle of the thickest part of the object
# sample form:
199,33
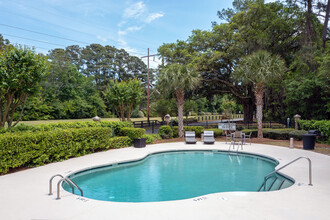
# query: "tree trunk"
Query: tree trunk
259,93
309,24
325,25
248,107
180,103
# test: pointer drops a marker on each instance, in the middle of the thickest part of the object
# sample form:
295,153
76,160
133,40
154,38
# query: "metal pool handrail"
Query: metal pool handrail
69,182
310,171
50,183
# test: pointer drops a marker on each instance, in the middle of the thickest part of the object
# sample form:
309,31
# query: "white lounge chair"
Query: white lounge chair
208,137
190,137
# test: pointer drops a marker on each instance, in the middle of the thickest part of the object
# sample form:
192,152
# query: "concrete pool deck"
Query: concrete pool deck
24,195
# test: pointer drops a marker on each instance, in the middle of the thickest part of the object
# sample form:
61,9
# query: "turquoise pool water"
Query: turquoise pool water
173,176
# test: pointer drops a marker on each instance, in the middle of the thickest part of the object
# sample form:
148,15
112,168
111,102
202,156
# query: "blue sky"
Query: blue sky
130,24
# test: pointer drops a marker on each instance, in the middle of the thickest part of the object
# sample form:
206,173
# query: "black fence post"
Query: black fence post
153,127
141,124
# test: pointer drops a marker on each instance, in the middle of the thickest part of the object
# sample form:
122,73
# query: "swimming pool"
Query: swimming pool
176,175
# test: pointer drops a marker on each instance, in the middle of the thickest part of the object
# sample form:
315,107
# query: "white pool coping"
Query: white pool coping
24,195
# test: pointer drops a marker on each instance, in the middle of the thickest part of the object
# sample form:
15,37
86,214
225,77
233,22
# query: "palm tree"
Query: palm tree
259,68
176,79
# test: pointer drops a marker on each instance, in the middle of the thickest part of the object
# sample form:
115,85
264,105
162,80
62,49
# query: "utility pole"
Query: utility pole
148,114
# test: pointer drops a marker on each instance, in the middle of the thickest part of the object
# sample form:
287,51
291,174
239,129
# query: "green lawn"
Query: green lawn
82,120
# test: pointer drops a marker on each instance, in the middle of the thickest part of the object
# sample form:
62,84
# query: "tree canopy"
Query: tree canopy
21,71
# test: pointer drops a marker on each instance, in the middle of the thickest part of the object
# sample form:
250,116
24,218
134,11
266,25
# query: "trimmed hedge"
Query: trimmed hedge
150,138
217,132
197,129
323,126
132,132
279,134
114,125
175,130
165,132
38,148
119,142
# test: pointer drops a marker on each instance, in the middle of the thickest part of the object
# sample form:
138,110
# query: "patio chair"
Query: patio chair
228,136
247,136
208,137
236,138
190,137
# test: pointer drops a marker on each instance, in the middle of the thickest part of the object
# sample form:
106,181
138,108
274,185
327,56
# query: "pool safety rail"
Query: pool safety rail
268,176
65,179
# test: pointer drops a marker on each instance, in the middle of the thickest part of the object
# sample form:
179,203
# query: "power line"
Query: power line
63,38
40,41
80,22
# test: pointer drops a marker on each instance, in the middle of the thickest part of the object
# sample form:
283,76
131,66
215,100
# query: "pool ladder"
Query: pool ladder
268,176
65,179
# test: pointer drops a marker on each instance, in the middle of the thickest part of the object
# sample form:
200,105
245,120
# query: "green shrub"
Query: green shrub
217,132
175,130
279,134
197,129
119,142
323,126
297,134
306,124
165,132
114,125
150,138
34,149
132,132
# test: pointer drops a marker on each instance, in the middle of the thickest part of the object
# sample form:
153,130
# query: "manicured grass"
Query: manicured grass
82,120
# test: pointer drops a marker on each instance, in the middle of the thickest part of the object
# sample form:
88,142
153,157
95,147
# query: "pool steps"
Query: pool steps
271,175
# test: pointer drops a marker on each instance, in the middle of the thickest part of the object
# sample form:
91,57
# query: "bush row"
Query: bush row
114,125
279,134
41,147
168,132
150,138
323,126
132,132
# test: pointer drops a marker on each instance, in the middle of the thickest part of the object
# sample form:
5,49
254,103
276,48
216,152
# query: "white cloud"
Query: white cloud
135,10
154,16
140,12
129,29
124,45
102,38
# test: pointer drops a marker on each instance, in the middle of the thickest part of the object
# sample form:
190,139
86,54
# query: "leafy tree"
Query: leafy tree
3,42
124,96
176,79
21,71
163,107
69,92
307,93
228,105
259,68
36,108
188,107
